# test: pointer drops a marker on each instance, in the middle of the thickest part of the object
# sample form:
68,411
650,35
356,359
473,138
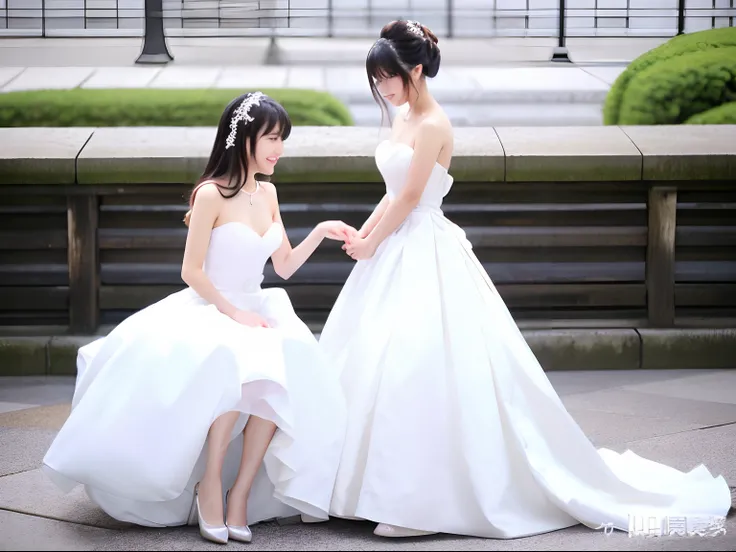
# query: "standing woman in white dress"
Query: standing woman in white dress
453,426
183,399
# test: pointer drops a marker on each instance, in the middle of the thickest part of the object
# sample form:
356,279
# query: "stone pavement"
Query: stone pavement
472,96
492,82
681,418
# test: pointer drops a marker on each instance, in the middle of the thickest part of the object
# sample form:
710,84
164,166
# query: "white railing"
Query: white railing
361,18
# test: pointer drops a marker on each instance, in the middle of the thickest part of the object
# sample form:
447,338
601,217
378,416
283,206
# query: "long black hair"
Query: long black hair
402,46
228,160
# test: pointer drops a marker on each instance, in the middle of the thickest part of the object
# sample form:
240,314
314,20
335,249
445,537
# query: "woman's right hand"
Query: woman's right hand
249,318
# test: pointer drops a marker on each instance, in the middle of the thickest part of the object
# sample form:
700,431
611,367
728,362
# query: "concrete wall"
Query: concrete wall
699,162
361,17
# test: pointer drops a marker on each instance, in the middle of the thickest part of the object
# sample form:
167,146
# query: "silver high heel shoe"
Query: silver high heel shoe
213,533
240,533
386,530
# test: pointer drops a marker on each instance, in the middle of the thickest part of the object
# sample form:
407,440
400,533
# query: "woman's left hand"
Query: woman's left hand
360,249
337,230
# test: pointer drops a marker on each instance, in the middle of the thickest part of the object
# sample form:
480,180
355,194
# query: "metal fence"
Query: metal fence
362,18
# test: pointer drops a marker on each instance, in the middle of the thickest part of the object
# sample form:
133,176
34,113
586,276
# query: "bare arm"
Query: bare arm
287,259
375,217
204,213
427,147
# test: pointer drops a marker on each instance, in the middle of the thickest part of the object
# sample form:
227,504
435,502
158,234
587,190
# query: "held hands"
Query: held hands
337,230
360,248
356,246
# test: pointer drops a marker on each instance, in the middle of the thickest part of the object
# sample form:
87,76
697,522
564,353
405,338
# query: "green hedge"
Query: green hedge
678,46
722,115
155,107
672,91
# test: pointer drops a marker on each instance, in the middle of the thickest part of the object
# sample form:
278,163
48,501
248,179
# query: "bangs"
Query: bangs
275,118
383,62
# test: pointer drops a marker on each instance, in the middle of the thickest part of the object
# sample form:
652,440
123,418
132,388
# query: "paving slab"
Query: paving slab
35,514
174,76
49,78
37,390
569,382
647,405
312,78
49,418
556,84
31,492
252,77
719,387
609,428
29,532
25,532
21,450
12,407
122,77
9,73
606,73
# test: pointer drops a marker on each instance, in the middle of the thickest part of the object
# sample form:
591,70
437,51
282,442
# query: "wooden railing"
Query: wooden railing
578,227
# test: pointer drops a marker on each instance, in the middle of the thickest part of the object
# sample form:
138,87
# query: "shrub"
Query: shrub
672,91
156,107
722,115
677,46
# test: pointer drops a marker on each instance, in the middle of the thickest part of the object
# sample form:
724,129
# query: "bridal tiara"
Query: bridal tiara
242,114
415,28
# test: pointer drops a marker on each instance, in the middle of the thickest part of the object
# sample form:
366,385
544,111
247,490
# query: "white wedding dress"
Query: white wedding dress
453,425
147,393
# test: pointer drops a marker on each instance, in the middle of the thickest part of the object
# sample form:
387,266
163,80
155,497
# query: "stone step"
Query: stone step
556,349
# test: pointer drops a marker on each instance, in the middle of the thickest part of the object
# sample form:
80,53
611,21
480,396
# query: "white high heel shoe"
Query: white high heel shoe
393,531
241,533
306,518
212,533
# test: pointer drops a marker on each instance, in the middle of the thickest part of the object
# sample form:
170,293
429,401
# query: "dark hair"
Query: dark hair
231,163
402,46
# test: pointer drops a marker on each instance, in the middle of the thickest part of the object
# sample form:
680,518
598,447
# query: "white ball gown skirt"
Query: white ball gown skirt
453,426
147,393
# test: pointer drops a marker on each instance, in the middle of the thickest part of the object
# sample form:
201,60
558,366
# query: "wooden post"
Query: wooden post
83,267
660,269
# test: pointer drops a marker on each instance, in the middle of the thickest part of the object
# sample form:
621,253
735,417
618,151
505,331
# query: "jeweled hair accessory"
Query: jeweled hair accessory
415,28
241,114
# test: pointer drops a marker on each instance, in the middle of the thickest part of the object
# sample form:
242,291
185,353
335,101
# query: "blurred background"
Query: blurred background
505,62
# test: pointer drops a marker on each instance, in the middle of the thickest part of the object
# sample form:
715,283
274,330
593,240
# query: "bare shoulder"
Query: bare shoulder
208,193
435,131
270,190
268,187
437,123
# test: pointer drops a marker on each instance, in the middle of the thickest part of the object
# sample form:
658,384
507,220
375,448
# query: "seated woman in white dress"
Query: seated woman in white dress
453,426
220,385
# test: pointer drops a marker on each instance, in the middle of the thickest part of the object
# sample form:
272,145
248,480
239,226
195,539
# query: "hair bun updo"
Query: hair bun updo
415,44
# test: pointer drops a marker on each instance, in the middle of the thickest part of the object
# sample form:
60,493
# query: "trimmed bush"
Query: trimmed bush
156,107
678,46
722,115
672,91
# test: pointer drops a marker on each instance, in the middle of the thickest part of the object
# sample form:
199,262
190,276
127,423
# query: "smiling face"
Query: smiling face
269,148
